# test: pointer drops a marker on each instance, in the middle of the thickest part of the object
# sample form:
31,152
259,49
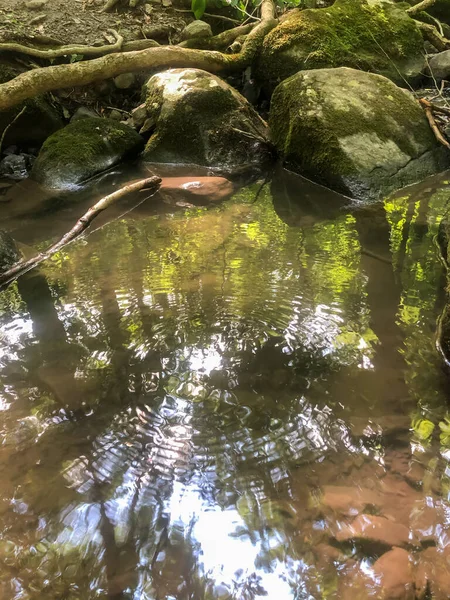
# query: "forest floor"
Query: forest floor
83,22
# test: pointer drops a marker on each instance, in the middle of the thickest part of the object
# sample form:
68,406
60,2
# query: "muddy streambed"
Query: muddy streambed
232,401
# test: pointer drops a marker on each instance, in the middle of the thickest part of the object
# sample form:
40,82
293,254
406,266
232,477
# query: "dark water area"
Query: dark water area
234,401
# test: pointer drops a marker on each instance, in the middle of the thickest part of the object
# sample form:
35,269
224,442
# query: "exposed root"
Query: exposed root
432,35
65,50
47,79
421,6
428,107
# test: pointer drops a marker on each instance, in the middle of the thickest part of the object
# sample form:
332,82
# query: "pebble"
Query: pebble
125,81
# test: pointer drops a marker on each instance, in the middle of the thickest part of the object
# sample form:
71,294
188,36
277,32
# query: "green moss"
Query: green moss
193,111
82,149
310,119
350,33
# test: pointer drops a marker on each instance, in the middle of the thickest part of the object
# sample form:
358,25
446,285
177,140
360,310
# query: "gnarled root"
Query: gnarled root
65,50
47,79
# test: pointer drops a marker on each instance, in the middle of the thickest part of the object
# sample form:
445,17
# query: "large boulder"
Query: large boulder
354,132
372,36
197,118
81,150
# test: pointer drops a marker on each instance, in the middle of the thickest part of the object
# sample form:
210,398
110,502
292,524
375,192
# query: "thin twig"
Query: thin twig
150,183
429,114
211,16
5,131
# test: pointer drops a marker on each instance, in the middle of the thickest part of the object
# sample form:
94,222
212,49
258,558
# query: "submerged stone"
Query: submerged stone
355,132
394,569
377,37
198,118
196,29
83,149
374,529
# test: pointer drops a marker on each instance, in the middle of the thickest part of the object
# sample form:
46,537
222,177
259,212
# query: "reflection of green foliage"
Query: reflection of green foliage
423,429
444,426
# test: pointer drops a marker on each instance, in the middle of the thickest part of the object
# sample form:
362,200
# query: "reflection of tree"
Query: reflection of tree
185,376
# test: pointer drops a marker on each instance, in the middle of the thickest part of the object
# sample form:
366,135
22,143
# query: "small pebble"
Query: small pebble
36,4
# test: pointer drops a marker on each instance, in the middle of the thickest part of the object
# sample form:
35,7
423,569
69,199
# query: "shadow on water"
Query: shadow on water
228,402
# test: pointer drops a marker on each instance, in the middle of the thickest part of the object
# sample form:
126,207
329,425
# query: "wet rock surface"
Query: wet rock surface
81,150
439,65
355,132
195,117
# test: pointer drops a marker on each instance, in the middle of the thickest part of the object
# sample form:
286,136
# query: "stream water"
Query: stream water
196,402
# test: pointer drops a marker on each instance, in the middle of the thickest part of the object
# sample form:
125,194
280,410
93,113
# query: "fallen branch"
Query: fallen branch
150,183
421,6
65,50
440,109
46,79
429,114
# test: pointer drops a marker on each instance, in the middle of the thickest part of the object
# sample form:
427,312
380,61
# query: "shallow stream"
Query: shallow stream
196,402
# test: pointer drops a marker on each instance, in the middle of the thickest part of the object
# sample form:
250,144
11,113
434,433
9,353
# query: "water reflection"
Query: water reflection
237,401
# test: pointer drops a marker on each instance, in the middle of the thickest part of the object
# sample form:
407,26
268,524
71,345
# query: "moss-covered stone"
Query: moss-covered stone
198,118
356,132
83,149
372,36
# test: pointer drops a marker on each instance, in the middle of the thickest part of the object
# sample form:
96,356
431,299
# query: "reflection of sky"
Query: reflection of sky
223,555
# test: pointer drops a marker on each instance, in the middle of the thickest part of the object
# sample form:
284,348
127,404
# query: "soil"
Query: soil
83,22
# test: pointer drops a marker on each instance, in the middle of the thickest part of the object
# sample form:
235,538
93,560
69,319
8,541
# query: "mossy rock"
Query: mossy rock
81,150
355,132
371,36
198,118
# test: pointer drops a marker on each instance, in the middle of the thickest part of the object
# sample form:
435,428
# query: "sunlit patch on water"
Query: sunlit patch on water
229,402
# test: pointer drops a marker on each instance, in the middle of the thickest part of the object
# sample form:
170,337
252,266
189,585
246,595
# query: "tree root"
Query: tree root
428,108
431,34
221,41
65,50
420,7
46,79
151,184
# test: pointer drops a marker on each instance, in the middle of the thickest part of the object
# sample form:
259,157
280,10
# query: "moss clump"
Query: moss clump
379,38
83,149
353,131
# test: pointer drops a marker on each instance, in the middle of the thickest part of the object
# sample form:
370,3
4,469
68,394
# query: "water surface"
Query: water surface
193,399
